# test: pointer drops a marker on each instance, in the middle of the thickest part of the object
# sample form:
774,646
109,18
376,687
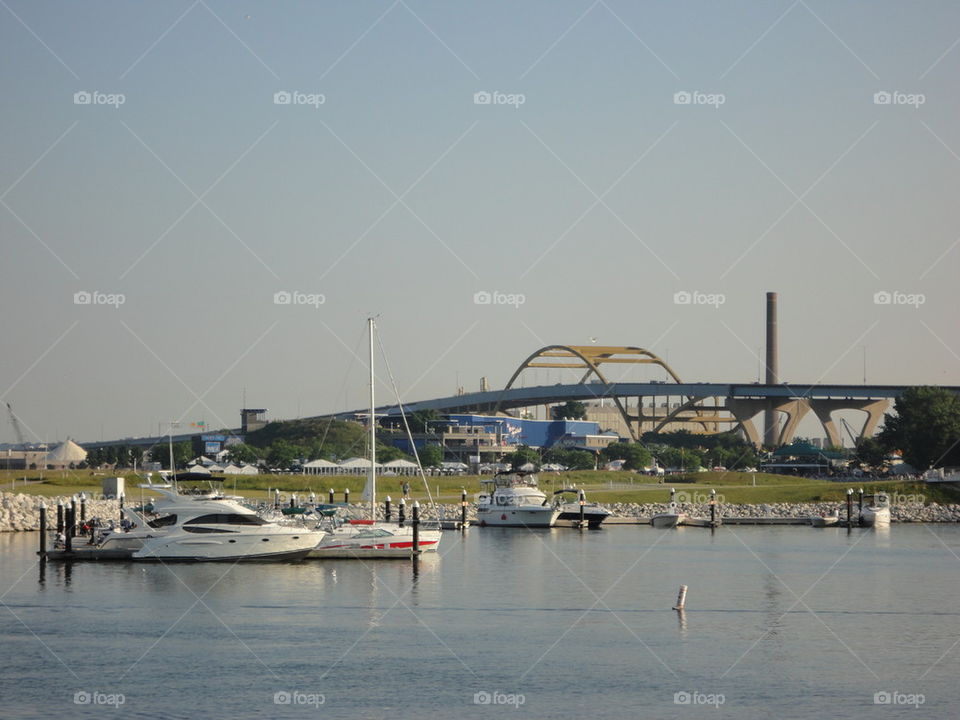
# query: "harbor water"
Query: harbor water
787,622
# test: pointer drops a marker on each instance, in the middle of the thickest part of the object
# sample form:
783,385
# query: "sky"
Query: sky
634,173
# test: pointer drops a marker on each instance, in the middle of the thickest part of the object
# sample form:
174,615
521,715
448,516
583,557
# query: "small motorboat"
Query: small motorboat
515,501
876,511
671,517
593,514
822,521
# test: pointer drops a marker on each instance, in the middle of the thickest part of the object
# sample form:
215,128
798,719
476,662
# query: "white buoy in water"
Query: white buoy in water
681,598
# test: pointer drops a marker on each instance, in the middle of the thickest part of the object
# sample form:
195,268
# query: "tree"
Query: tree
570,410
430,455
570,459
282,454
870,452
386,453
243,453
634,455
523,455
926,427
182,452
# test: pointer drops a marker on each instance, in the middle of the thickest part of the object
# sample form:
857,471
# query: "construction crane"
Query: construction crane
16,427
853,438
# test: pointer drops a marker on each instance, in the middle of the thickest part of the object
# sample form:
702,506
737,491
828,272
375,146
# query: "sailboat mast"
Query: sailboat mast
373,433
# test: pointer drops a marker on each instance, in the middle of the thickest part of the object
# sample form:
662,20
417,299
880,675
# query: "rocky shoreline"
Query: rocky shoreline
20,512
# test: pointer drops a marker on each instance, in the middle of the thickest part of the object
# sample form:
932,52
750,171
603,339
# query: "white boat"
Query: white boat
593,514
822,521
514,500
669,519
876,511
207,526
367,538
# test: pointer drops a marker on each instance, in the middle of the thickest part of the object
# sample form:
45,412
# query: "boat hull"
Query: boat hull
666,520
875,517
345,547
263,545
538,517
593,518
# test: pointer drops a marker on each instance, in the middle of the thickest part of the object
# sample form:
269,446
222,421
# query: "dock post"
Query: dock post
59,516
673,493
463,508
860,507
402,511
346,495
72,522
713,508
582,501
681,598
276,498
293,500
386,509
849,506
416,528
120,500
331,498
43,531
83,508
68,537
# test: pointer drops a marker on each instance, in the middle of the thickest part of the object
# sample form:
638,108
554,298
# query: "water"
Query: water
785,622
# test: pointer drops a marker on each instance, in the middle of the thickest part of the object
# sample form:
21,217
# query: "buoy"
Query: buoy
681,598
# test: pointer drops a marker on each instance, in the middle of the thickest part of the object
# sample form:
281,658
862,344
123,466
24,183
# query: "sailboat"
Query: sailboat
367,538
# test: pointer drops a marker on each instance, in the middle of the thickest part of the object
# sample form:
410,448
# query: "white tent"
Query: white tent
249,470
528,467
356,466
321,467
231,469
198,470
214,468
401,467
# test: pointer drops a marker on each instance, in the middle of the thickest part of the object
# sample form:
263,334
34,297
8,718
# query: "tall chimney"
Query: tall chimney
773,369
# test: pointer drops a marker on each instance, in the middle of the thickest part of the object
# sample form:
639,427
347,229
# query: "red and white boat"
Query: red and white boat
368,538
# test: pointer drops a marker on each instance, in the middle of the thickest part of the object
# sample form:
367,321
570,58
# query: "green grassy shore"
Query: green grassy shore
600,486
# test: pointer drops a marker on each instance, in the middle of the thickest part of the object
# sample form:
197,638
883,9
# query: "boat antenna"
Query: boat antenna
406,425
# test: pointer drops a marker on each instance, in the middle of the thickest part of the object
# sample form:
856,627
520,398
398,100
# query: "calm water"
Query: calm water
780,622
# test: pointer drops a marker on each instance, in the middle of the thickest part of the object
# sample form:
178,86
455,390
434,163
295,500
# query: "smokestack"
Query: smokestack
773,368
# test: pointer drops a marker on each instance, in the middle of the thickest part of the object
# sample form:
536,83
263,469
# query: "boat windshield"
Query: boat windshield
163,521
226,519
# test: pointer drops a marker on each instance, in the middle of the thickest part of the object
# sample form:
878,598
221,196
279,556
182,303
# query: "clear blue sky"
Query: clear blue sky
598,198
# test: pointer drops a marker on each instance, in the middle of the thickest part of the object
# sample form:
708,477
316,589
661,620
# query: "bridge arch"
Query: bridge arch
589,358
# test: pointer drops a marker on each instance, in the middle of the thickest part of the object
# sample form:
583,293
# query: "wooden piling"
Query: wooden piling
713,508
582,501
43,531
681,598
386,509
849,507
59,516
416,528
463,508
331,497
346,495
83,508
402,511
